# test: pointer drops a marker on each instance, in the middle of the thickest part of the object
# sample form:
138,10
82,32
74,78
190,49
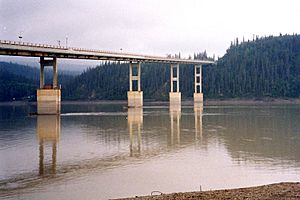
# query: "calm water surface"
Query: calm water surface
107,151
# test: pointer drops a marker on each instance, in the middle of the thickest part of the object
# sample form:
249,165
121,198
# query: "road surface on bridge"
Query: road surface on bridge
13,48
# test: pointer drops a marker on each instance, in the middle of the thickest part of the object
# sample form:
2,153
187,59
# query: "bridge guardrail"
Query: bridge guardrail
149,57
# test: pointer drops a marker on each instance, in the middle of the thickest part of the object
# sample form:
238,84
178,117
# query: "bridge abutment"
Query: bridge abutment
48,96
175,94
198,94
135,95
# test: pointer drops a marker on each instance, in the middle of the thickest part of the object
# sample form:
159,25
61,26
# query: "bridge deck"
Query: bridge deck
13,48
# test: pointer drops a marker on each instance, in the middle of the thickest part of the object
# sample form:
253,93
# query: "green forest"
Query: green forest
267,67
19,82
264,67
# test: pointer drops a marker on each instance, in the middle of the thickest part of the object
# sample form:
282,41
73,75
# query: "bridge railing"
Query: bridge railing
29,44
68,48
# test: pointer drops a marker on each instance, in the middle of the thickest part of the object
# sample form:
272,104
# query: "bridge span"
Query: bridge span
49,97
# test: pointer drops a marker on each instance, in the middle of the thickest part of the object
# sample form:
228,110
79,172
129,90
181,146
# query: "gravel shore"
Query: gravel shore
272,192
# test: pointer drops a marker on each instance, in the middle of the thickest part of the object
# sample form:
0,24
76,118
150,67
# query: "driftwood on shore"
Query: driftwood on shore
273,192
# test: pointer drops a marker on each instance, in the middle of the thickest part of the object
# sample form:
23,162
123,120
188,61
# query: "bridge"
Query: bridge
49,97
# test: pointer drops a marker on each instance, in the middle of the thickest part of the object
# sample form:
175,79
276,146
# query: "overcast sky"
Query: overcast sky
147,26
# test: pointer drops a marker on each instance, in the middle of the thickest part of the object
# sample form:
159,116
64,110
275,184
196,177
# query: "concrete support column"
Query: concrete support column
171,77
130,77
198,95
175,94
135,97
139,77
42,74
55,76
177,79
48,96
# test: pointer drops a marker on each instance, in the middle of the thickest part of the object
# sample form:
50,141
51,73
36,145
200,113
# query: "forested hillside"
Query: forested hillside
15,87
263,67
110,81
19,82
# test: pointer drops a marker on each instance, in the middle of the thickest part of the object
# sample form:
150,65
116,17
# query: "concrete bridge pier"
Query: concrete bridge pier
48,96
198,95
135,96
175,95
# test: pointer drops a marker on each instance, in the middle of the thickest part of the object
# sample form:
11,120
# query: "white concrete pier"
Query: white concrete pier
135,98
48,96
175,94
198,95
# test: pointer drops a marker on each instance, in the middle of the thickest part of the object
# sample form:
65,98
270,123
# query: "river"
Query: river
102,151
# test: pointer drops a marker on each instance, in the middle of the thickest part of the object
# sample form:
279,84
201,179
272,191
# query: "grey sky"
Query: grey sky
147,26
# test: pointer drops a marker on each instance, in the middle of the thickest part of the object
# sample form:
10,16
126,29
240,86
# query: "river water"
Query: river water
102,151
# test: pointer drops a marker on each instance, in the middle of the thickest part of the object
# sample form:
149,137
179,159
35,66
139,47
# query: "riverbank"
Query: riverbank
273,192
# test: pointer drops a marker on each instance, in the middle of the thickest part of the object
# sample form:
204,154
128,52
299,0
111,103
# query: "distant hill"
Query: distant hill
20,70
15,87
19,82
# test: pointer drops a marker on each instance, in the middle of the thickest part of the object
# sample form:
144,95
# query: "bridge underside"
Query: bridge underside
11,48
49,96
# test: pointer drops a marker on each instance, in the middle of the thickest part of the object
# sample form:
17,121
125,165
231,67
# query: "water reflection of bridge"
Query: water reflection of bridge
135,126
135,123
175,115
253,138
242,136
48,131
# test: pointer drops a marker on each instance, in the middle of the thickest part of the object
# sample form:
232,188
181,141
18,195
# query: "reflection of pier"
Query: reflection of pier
198,110
156,142
135,122
48,131
175,115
